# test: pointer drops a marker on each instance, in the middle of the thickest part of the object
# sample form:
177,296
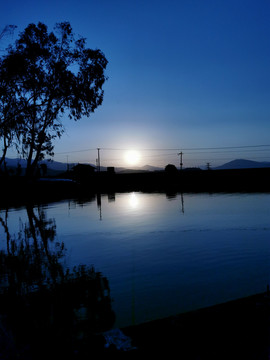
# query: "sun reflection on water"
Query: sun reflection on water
134,201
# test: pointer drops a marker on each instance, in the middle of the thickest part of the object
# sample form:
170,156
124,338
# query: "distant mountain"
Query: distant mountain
54,168
61,167
243,164
151,168
53,165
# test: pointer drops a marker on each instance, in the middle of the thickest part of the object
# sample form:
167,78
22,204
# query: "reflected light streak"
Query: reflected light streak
134,201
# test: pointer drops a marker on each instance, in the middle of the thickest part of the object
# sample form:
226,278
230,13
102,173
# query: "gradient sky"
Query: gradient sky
182,75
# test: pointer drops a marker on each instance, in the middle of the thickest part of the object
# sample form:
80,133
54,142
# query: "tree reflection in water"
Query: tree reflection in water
46,308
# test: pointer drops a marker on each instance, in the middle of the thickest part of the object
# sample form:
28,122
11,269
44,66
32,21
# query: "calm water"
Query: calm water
161,254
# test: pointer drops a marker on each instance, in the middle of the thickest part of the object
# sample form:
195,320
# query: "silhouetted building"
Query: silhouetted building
83,170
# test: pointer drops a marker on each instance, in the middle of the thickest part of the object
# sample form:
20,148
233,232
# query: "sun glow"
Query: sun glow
132,157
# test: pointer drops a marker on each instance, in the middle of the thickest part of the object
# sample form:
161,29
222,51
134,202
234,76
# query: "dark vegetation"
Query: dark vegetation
43,77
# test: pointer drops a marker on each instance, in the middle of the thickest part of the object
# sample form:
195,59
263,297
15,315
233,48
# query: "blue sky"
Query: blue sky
182,75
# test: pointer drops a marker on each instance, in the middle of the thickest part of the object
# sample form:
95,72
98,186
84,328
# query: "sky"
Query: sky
188,76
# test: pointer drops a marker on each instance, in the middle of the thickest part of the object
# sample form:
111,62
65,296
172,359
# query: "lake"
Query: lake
162,254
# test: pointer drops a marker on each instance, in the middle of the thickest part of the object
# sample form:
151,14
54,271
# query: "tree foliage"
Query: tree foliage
170,169
8,102
47,75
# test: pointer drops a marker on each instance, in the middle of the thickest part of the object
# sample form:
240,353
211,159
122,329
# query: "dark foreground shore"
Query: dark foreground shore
238,329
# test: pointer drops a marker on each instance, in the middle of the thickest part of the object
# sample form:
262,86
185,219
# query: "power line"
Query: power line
198,148
170,149
228,147
190,153
74,151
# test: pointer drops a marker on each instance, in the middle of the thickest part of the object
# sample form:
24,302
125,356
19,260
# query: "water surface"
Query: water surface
162,254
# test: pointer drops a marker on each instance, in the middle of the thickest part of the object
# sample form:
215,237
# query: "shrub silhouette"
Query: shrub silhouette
170,169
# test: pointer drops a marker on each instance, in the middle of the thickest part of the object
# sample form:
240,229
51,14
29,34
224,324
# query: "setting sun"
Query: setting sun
132,157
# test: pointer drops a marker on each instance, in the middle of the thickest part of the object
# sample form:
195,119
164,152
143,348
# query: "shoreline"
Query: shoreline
235,329
19,190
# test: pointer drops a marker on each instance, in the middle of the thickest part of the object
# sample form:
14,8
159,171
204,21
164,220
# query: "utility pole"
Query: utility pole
181,160
98,160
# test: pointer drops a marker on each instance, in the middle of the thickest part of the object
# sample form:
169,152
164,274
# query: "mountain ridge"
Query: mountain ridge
62,167
243,164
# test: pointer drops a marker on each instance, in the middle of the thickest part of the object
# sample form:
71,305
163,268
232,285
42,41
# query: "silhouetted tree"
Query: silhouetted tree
170,169
7,101
9,109
54,74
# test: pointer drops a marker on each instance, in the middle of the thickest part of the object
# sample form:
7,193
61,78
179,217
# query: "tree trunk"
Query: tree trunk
3,157
28,172
34,164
